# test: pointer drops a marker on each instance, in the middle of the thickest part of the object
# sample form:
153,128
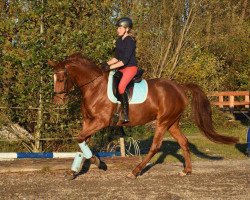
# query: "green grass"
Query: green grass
203,149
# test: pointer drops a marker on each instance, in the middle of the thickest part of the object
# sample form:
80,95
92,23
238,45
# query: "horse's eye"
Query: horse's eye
60,80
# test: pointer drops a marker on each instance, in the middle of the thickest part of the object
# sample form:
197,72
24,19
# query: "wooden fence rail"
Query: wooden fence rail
227,99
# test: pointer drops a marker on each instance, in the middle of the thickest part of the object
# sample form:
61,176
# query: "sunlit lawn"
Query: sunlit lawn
201,148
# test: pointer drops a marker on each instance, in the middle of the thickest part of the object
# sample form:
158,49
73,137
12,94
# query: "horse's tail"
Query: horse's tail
203,115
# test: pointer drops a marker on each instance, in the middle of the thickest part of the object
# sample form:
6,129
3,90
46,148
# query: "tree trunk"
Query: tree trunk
244,10
208,30
38,131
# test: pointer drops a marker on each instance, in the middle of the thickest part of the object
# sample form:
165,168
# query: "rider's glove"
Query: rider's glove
105,67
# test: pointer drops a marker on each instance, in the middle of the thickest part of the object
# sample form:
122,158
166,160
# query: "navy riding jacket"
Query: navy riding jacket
125,51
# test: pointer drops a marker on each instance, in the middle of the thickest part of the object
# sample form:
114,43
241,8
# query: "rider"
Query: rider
124,60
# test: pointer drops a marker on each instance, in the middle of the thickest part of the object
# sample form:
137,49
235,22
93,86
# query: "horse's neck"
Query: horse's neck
93,94
93,85
84,76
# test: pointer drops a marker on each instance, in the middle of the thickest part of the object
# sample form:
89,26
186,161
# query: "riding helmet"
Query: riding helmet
124,22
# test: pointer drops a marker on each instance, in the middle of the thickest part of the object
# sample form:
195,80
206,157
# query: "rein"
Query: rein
88,82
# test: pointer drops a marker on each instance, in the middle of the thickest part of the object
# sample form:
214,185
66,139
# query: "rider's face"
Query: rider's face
121,31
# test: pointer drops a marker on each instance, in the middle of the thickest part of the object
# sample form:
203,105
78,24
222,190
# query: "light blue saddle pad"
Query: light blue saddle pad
139,94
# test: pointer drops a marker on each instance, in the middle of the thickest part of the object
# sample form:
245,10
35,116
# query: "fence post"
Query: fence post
122,147
247,100
221,101
231,103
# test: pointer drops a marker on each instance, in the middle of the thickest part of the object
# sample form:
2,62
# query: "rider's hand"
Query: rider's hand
105,67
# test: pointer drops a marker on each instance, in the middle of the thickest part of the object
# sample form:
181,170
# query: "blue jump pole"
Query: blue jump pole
35,155
248,142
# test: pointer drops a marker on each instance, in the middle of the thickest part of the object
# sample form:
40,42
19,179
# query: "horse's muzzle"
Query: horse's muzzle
60,99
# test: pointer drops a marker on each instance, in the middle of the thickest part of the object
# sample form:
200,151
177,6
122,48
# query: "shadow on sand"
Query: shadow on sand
86,166
171,148
242,147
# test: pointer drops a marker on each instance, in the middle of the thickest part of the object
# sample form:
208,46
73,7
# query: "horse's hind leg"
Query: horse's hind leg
183,142
155,147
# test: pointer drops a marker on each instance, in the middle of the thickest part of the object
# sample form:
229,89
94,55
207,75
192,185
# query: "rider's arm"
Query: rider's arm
112,61
117,65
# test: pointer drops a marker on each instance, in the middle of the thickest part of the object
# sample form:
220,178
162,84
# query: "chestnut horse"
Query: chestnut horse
165,103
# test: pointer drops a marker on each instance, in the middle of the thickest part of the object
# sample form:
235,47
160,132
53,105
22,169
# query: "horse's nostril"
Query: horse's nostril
59,99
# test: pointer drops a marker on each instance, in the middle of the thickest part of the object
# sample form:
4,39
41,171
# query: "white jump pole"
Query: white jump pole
122,147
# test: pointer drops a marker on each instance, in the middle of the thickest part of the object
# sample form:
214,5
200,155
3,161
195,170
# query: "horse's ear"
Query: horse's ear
52,63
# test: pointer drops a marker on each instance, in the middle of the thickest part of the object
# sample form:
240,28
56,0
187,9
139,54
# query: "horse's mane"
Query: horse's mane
77,59
80,58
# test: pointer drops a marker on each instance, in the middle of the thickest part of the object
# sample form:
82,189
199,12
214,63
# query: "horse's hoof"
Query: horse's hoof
70,176
183,173
94,160
100,164
131,176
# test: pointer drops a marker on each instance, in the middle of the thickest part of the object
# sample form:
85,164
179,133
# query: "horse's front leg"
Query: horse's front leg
90,127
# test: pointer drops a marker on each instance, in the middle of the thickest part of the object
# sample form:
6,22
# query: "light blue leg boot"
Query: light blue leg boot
85,150
76,165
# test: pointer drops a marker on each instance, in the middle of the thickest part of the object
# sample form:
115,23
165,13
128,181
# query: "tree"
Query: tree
199,41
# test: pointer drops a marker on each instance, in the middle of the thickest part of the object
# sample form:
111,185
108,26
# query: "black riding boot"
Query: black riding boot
125,108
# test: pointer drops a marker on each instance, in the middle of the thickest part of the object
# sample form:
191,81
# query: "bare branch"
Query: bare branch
184,32
170,31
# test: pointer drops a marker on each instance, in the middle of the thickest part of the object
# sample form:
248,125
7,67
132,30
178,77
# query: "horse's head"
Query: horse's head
75,70
62,82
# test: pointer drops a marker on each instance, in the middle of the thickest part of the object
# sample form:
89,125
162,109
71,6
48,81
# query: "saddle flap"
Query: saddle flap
129,89
138,95
116,80
138,76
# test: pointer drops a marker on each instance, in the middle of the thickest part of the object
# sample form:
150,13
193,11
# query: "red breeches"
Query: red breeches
128,74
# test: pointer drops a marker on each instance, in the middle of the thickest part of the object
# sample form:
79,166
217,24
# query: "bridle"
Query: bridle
66,83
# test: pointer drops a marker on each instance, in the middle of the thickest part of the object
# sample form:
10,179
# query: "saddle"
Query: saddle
130,87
